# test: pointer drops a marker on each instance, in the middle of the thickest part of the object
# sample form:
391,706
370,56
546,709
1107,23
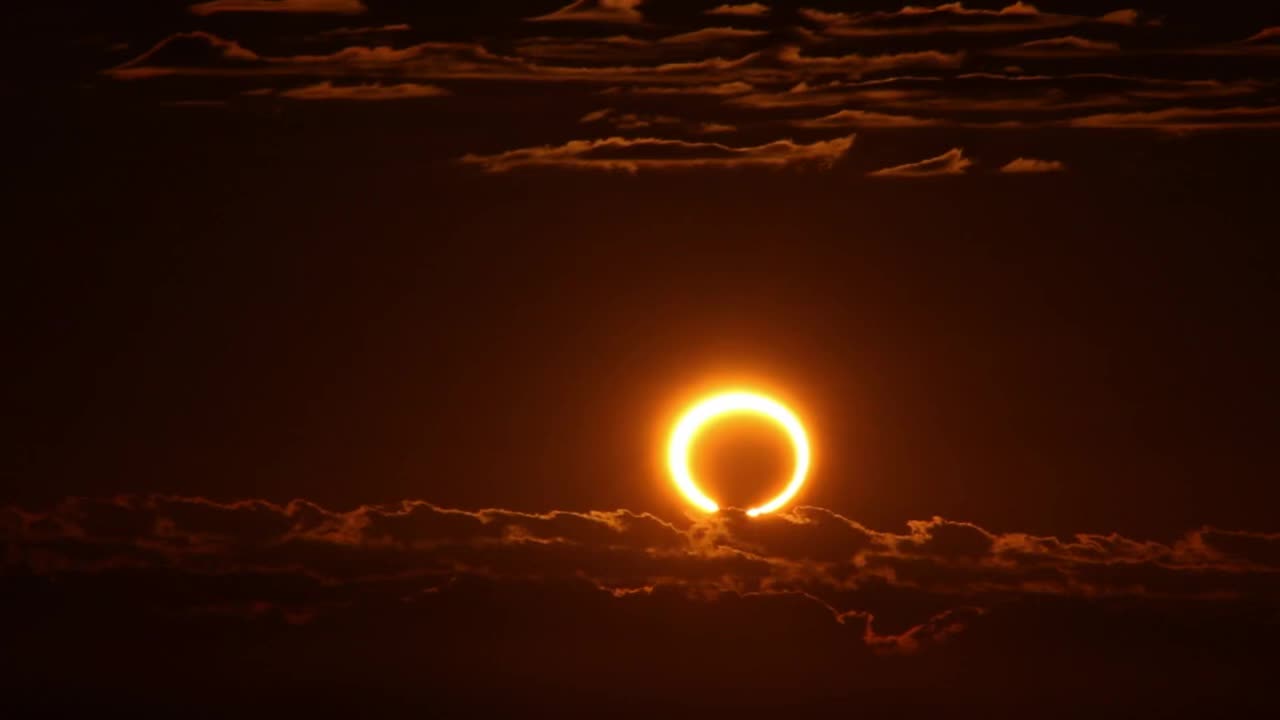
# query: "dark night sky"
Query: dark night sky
256,257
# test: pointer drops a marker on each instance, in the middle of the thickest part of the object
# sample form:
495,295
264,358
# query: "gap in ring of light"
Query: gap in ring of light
712,408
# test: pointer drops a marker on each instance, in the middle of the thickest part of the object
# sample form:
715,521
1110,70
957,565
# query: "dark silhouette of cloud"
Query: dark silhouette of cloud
807,551
260,599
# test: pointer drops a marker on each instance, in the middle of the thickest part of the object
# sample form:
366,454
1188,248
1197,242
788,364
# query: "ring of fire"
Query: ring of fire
706,411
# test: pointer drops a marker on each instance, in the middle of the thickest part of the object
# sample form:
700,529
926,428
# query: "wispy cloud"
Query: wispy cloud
997,92
611,48
630,121
707,36
336,7
635,154
952,162
364,92
1264,43
1185,119
596,11
204,54
1265,35
955,17
726,89
1024,165
365,31
1066,46
627,48
856,64
865,119
754,9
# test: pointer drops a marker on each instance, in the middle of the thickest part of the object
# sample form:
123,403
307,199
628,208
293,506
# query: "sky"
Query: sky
345,336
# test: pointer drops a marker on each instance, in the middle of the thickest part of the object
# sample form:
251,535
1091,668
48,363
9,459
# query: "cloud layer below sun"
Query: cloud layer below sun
906,589
453,611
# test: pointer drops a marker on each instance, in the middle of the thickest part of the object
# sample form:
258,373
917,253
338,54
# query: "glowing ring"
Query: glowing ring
705,411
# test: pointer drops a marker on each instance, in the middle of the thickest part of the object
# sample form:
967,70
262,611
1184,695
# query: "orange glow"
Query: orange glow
704,412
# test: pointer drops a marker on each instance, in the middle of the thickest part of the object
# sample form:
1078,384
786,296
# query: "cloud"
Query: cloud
626,48
457,605
952,162
1270,34
805,94
806,549
629,121
707,36
634,154
1165,89
954,17
364,31
196,103
337,7
596,11
657,82
856,64
996,92
726,89
1025,165
1067,46
188,52
364,92
865,119
1185,119
595,49
714,128
1264,43
754,9
201,54
1127,16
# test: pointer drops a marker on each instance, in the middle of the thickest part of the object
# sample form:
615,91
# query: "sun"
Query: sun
712,408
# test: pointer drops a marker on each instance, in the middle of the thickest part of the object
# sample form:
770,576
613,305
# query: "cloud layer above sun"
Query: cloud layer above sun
945,76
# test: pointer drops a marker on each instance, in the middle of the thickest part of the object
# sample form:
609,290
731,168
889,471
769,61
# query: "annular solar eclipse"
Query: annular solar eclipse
704,413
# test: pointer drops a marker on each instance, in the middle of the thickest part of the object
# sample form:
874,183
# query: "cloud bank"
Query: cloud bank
148,601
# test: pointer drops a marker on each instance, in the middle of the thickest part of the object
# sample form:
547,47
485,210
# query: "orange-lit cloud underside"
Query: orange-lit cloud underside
710,409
